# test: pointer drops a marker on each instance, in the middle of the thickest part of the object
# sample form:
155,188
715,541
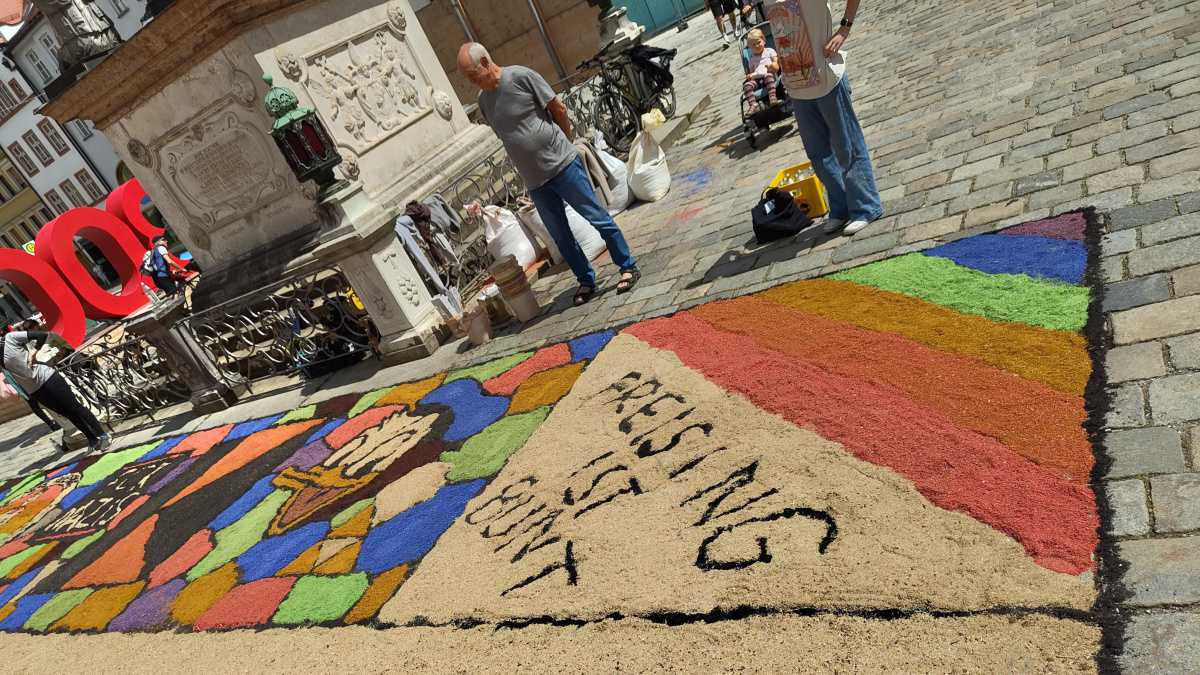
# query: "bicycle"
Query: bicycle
618,99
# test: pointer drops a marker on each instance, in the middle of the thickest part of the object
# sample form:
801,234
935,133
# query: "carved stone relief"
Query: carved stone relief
139,153
396,17
443,104
368,87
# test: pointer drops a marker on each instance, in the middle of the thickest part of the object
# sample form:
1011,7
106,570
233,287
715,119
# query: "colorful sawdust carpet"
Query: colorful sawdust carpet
908,435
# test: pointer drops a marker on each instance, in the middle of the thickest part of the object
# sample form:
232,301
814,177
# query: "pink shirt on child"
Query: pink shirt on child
759,62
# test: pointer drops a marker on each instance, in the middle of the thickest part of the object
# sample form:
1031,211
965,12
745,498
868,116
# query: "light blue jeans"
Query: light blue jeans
572,186
835,145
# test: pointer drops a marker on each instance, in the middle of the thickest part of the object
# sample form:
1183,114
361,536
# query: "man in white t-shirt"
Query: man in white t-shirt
814,70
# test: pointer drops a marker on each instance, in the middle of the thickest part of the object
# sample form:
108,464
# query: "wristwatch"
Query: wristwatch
847,23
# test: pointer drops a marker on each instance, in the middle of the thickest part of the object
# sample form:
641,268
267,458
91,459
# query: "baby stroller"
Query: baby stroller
761,121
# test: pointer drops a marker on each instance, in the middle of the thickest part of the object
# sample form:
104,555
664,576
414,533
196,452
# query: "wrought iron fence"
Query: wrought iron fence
125,380
311,323
491,181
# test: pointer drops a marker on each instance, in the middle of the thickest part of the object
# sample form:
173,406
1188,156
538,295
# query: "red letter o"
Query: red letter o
126,204
56,245
46,289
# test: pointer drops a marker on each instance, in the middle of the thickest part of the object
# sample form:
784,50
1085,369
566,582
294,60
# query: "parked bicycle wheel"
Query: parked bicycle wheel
665,101
616,117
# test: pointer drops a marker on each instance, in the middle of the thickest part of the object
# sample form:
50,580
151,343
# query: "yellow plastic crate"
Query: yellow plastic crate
805,187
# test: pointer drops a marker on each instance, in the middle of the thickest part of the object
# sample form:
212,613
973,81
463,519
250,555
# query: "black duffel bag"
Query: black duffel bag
777,216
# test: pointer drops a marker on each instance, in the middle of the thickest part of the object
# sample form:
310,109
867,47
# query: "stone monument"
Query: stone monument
84,32
182,103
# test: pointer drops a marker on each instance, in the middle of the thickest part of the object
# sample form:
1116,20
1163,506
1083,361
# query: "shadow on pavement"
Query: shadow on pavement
753,256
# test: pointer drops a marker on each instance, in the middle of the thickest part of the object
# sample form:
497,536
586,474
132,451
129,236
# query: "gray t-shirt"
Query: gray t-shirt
17,363
516,111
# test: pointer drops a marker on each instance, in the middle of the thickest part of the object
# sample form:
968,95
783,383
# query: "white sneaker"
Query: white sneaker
854,226
726,38
832,225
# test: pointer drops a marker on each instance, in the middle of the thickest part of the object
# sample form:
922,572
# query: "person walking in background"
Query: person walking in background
157,264
46,386
814,70
532,123
723,9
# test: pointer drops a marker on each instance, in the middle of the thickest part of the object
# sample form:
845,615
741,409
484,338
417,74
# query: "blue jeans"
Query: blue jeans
838,152
573,187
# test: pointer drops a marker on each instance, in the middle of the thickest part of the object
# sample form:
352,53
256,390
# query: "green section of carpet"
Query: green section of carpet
112,463
367,401
56,608
10,563
486,452
24,486
351,511
320,599
241,535
1000,297
487,371
297,415
77,547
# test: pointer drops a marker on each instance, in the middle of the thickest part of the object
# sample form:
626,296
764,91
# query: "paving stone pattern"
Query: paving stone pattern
979,115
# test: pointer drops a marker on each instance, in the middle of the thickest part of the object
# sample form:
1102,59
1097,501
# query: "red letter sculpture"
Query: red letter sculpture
46,289
56,245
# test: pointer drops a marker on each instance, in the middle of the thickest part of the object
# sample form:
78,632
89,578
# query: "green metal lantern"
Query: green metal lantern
303,139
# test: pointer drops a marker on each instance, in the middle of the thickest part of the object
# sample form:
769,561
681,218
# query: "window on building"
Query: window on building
50,131
120,6
8,102
40,67
90,186
17,179
51,45
45,214
9,190
18,89
55,201
7,240
17,152
83,130
73,195
35,144
29,230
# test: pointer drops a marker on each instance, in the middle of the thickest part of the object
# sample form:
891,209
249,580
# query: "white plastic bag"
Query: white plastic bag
587,236
532,220
621,196
649,177
505,236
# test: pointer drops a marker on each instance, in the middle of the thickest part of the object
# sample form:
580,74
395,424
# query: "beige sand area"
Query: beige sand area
577,525
991,644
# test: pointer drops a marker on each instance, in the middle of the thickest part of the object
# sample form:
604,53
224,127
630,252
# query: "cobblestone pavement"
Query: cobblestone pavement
979,115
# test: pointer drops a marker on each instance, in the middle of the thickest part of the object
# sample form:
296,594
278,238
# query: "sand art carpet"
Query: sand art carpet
901,445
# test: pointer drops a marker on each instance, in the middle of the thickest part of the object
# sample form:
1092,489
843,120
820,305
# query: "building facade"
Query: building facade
47,168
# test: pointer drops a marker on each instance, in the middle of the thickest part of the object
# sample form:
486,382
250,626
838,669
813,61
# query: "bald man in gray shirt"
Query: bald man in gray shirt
532,122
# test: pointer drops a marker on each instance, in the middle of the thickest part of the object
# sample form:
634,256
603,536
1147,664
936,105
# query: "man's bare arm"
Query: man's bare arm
558,111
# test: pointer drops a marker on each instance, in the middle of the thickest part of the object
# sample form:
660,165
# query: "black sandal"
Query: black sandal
584,294
626,285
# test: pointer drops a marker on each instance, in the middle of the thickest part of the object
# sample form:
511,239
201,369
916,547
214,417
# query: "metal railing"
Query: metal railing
128,379
491,181
311,323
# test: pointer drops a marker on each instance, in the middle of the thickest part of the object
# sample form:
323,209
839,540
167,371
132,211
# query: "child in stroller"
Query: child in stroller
763,84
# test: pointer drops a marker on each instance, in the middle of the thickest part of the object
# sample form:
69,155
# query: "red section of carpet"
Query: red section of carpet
969,393
1054,519
507,383
1067,226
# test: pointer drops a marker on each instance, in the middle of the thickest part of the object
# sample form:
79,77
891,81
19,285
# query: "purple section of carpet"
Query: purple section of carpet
1068,226
307,457
150,610
172,475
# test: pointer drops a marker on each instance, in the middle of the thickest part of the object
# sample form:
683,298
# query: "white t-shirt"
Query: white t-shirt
19,363
802,28
760,63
